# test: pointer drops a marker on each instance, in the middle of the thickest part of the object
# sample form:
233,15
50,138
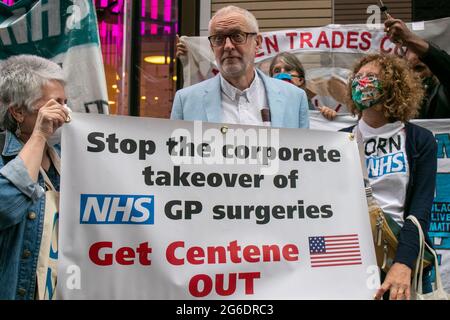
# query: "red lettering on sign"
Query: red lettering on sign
383,48
194,285
249,278
305,37
323,39
94,253
291,36
220,285
251,254
273,44
234,249
260,54
144,254
202,285
219,252
195,255
124,256
366,38
290,252
352,37
337,39
170,253
233,253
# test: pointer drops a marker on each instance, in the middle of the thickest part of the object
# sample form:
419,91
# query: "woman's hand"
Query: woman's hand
181,48
50,117
398,281
328,113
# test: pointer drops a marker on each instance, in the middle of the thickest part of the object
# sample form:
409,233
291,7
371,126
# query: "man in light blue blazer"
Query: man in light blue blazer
240,94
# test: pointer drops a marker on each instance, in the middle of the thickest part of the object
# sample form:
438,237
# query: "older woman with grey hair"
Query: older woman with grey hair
32,107
286,66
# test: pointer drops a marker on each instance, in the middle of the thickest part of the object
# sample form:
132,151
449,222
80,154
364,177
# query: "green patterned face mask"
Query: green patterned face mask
366,92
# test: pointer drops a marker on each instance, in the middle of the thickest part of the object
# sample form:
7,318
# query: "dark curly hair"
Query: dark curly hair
402,89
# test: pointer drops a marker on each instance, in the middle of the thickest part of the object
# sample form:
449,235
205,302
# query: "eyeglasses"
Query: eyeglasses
370,77
238,38
296,76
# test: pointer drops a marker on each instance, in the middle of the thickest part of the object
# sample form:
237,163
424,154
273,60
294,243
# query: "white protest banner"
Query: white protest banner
64,31
318,122
439,231
159,209
327,54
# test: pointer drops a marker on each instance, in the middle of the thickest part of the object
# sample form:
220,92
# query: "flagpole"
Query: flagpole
135,59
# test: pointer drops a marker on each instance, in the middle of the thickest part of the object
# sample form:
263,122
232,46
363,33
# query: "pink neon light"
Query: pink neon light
154,15
143,15
102,28
154,9
167,10
115,30
104,3
167,13
118,7
8,2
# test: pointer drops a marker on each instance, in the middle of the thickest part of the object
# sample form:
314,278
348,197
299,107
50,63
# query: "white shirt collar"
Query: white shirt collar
387,129
233,93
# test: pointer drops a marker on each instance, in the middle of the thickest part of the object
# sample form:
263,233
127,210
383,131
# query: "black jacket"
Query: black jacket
437,103
421,151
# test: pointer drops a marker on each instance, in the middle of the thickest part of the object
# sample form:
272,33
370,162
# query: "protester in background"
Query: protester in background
31,109
286,66
240,94
430,63
400,156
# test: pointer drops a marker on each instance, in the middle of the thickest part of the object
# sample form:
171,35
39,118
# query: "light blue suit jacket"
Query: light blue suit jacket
202,101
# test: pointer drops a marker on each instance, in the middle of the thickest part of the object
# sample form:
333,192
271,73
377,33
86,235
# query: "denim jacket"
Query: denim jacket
22,207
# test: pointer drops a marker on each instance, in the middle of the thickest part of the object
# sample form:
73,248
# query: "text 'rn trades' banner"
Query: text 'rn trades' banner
328,54
159,209
330,46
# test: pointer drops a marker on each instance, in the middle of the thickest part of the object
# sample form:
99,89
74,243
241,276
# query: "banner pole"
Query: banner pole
135,60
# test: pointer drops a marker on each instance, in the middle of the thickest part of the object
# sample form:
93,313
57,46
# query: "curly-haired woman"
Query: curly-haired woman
400,157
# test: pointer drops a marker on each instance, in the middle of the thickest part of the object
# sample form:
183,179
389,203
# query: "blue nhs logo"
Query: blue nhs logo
116,209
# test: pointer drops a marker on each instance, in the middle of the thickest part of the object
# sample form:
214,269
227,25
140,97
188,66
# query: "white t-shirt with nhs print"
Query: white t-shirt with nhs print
387,165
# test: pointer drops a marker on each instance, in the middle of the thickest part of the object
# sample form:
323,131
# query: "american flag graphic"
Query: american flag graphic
331,251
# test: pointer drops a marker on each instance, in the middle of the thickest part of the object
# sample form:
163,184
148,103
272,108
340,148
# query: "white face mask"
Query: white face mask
55,138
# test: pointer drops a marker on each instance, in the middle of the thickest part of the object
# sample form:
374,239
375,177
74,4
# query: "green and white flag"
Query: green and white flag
64,31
